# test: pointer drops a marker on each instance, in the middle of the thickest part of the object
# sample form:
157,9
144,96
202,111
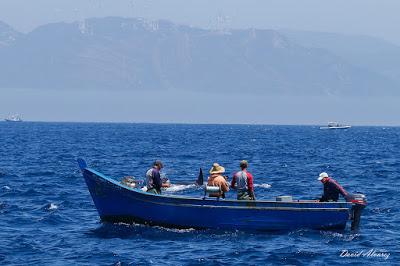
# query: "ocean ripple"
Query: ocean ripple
48,217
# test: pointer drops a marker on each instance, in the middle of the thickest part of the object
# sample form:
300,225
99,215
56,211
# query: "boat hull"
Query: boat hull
11,120
339,127
118,203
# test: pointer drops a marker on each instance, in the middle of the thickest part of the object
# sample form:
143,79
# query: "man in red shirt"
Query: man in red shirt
243,182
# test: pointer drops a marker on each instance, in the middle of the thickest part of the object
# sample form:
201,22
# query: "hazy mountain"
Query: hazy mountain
7,34
368,52
118,53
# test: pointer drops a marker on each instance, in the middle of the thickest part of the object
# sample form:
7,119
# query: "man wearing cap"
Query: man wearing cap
216,179
244,181
332,189
153,178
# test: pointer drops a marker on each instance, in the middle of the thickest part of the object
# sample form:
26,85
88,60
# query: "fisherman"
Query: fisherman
216,179
244,181
153,178
332,189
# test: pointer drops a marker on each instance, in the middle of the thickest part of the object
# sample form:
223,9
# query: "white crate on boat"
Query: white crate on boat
284,198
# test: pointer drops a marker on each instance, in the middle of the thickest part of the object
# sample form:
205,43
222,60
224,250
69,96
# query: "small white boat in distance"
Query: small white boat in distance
335,125
14,118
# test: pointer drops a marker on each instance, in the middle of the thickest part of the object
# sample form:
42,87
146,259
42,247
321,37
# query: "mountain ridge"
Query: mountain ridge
7,34
136,54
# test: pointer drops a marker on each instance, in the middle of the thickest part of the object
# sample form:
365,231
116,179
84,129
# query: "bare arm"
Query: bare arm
225,187
233,181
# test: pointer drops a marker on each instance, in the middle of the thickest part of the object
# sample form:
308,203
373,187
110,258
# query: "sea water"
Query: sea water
47,216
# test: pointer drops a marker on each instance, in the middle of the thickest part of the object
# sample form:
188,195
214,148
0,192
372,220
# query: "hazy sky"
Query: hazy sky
371,17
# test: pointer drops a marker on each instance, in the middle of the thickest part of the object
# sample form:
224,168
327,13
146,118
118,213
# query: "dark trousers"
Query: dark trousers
153,191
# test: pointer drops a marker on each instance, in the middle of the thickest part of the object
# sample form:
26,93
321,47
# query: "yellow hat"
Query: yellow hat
217,169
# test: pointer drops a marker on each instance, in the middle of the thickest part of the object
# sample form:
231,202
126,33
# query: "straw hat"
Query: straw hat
217,169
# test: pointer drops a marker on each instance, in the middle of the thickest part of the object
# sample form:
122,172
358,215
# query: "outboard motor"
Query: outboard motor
359,203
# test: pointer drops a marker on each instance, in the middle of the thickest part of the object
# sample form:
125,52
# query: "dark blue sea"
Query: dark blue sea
47,216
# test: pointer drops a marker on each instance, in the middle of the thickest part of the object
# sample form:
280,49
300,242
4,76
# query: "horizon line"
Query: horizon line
194,123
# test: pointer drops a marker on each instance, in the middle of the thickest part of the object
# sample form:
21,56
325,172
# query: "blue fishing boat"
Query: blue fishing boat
116,202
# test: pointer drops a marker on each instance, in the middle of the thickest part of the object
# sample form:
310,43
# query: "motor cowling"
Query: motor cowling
359,199
359,202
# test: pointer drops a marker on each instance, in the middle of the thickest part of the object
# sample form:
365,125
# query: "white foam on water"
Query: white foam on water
176,188
125,224
6,188
52,206
175,230
263,185
342,236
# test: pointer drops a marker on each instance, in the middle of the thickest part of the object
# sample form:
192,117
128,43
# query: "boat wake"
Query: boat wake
342,236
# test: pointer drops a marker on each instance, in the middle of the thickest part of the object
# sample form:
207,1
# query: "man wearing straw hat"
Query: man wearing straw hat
216,179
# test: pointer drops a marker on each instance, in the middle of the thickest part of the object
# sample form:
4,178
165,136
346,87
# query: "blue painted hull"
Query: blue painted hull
116,202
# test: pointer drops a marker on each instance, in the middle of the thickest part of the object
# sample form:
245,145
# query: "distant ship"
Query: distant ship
14,118
335,125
